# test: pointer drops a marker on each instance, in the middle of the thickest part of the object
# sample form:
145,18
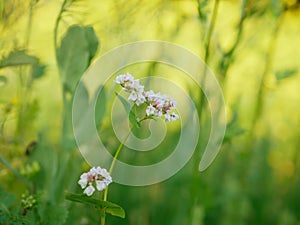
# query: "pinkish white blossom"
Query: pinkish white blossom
158,105
171,117
96,176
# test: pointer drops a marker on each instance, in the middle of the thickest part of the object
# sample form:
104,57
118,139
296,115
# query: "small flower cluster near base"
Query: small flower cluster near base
159,105
96,176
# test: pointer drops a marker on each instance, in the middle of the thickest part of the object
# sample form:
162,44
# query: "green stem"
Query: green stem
207,51
228,56
29,24
102,219
211,29
111,170
115,159
194,195
268,66
62,9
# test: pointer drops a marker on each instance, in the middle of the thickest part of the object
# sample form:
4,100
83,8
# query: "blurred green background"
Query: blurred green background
251,46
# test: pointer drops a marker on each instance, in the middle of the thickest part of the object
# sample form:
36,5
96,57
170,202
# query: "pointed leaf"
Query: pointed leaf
104,206
77,48
38,70
285,73
18,58
128,109
92,40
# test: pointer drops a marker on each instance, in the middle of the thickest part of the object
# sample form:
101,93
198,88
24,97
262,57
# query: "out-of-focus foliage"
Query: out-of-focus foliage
252,47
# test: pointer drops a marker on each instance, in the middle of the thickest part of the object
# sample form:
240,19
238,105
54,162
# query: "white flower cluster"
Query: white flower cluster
96,176
159,105
132,86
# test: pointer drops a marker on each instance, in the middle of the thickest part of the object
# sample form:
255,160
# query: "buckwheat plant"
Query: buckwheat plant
156,105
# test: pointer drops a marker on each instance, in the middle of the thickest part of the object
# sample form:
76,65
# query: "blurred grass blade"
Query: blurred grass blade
105,206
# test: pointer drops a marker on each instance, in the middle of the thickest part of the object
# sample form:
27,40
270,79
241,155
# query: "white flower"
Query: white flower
124,78
157,104
96,176
83,180
150,110
140,100
133,96
149,94
171,117
89,190
106,175
100,185
94,171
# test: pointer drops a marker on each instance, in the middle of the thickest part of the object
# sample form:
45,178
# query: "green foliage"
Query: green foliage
77,48
103,206
6,201
280,75
75,53
130,111
21,58
18,58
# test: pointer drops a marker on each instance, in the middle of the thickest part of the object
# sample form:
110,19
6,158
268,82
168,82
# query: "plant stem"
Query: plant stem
258,108
62,9
207,51
194,186
111,170
102,221
211,29
228,56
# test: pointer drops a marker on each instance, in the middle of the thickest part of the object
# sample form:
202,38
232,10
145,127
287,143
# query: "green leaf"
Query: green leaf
18,58
77,48
38,70
285,73
276,7
128,109
92,41
104,206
